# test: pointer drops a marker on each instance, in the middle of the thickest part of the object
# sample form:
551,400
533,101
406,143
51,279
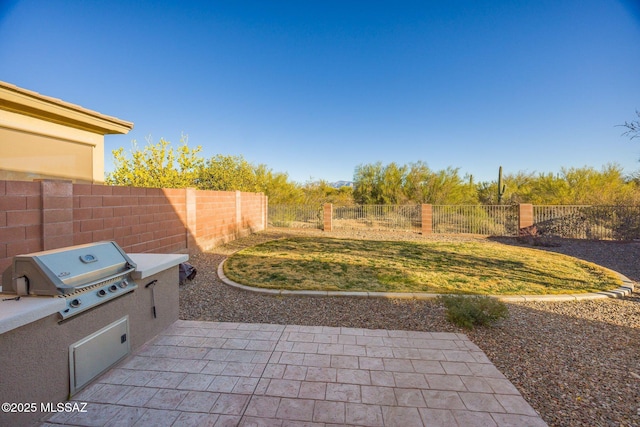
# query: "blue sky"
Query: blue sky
315,88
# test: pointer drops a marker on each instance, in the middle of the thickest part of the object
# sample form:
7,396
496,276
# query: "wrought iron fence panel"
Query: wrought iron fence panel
378,217
494,220
588,222
295,216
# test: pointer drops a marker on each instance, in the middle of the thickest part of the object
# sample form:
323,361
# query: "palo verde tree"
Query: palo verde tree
156,165
161,166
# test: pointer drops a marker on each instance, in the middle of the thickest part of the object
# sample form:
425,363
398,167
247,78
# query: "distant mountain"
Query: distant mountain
339,184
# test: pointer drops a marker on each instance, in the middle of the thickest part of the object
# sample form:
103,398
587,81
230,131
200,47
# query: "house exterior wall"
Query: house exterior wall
46,138
32,148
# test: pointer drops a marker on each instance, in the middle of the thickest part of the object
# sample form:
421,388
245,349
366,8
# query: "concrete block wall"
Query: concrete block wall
139,219
20,219
50,214
216,220
253,205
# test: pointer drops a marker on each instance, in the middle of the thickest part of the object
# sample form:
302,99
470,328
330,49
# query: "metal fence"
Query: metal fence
588,222
476,219
578,222
295,216
378,217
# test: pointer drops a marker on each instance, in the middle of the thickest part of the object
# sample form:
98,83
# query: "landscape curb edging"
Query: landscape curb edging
626,289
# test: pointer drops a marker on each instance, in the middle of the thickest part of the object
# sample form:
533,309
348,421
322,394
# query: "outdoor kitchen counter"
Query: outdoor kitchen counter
14,314
150,264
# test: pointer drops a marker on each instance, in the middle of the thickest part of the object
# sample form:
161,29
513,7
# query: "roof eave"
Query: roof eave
33,104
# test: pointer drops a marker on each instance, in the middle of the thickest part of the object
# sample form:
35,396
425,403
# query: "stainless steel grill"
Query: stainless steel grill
85,275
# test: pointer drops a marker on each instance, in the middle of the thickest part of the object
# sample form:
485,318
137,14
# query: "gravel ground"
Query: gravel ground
576,363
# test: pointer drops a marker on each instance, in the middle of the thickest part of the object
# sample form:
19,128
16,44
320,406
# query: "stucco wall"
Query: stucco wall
32,148
34,361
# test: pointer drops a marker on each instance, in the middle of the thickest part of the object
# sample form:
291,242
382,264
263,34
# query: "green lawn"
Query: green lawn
483,268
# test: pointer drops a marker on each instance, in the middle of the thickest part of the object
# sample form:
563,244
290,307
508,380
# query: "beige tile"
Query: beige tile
515,404
410,380
456,368
283,388
427,366
401,417
137,396
474,419
317,360
445,382
312,390
293,372
481,402
514,420
353,376
223,384
262,406
365,415
97,414
230,404
344,392
288,358
329,412
437,417
339,361
439,399
376,395
397,365
321,374
295,409
166,399
198,401
409,397
190,419
195,382
382,378
157,418
126,416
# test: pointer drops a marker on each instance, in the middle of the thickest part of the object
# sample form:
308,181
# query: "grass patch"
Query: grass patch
487,268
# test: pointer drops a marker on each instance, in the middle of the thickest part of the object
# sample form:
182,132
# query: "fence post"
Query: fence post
57,213
190,196
525,216
427,219
265,211
328,217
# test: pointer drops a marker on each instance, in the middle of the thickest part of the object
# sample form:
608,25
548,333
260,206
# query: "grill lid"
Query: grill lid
69,269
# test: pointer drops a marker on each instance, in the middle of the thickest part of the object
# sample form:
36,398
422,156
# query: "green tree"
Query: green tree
156,165
320,192
227,173
278,187
414,183
160,166
366,183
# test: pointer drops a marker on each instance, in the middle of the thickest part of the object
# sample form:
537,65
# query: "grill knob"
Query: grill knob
102,293
124,283
113,288
75,303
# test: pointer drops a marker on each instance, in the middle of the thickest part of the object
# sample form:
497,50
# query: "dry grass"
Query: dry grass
488,268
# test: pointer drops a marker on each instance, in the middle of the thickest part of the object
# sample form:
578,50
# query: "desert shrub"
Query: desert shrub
470,311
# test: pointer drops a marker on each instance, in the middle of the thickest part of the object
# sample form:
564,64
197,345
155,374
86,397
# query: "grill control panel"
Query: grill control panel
90,297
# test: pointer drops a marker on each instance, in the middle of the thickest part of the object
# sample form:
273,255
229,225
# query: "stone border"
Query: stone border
626,289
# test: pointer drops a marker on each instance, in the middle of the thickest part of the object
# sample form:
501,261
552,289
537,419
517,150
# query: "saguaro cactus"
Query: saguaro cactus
501,186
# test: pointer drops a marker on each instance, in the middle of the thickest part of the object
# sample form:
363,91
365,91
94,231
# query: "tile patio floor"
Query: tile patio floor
239,374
